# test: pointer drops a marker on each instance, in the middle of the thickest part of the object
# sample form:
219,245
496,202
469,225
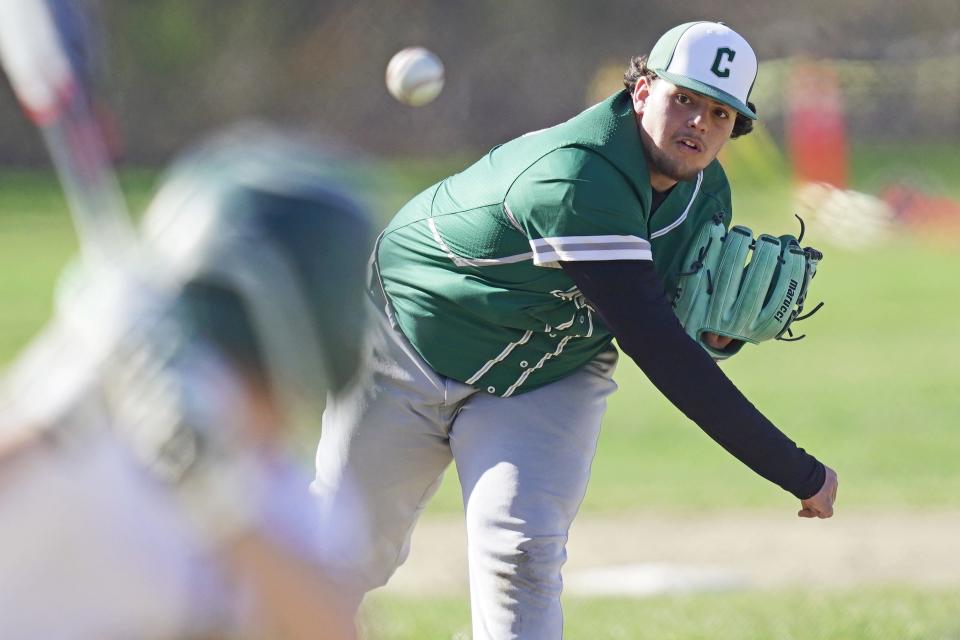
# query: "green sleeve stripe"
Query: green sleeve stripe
683,216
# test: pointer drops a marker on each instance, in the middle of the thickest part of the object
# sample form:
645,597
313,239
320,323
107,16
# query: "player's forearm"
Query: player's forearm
629,298
693,382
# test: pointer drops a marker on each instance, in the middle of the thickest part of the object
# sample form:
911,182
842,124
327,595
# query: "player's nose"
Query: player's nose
698,120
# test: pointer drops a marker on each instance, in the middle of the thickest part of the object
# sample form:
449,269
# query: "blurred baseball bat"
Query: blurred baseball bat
41,48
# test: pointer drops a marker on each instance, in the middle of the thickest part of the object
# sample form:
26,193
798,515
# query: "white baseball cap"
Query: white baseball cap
709,58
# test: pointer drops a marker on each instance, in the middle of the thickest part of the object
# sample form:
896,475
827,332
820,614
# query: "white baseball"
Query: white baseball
415,76
846,218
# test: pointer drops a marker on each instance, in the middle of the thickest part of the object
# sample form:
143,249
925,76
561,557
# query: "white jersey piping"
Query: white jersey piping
543,360
676,223
474,262
513,221
503,354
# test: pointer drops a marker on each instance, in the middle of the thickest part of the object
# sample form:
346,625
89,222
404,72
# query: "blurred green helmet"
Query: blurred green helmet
269,252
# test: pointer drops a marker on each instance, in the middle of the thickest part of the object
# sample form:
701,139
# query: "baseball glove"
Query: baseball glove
759,302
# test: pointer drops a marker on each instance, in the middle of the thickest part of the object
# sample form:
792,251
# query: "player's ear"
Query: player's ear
641,92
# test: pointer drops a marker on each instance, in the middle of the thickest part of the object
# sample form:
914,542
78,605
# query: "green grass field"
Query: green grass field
874,614
872,391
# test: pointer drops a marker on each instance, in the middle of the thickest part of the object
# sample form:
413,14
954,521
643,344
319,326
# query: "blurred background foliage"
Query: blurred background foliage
180,67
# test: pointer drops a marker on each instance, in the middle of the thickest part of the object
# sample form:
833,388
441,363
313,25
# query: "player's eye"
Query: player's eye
683,98
722,114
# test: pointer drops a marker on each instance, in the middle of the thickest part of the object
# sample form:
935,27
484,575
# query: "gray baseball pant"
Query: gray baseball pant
523,463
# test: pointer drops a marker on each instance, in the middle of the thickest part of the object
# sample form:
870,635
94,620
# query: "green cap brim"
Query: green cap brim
707,90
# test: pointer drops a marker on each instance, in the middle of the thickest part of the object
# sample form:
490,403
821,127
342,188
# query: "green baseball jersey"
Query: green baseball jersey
471,265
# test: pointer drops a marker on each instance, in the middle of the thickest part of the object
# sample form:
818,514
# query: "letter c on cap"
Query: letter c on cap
722,53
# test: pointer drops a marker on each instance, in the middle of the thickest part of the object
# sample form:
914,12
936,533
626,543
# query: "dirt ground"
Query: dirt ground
652,552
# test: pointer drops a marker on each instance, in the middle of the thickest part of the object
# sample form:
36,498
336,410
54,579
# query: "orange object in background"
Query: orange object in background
922,210
816,129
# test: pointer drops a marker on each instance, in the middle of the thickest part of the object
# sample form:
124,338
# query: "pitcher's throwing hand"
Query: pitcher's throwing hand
820,504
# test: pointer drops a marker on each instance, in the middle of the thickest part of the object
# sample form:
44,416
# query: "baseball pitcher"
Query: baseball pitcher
499,291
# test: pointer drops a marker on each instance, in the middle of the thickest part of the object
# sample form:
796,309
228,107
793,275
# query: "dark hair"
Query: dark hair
638,69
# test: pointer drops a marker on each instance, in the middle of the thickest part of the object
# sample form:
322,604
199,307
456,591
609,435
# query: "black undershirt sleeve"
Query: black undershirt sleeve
630,298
